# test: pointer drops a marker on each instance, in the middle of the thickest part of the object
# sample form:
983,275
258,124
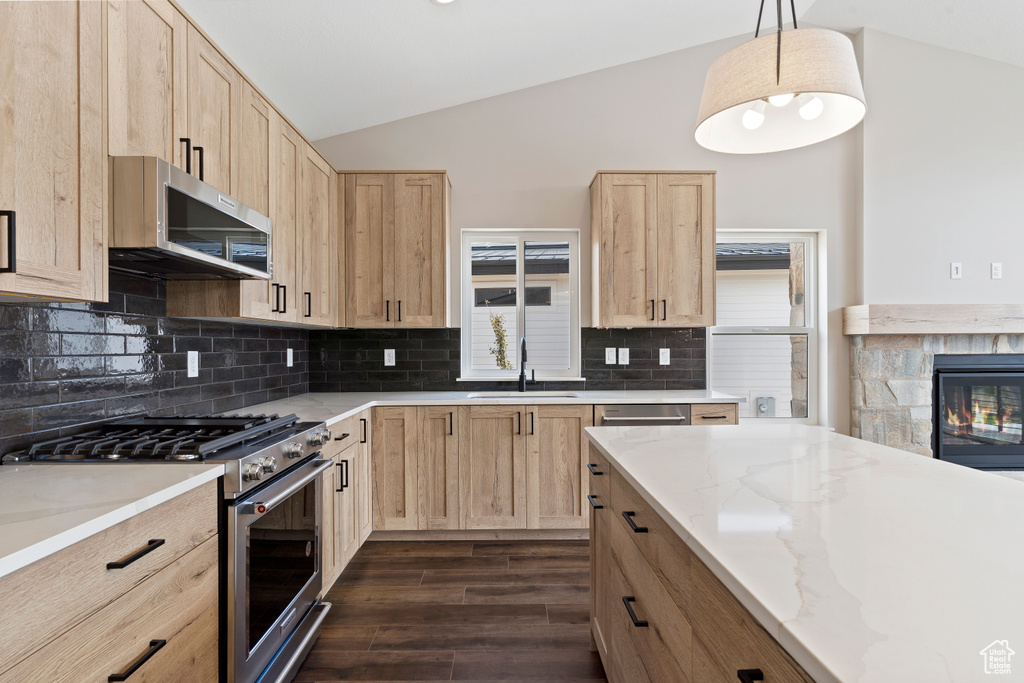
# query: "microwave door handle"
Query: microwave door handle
319,467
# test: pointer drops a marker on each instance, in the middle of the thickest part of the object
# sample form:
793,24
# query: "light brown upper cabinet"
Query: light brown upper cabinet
556,447
53,241
396,235
317,267
654,244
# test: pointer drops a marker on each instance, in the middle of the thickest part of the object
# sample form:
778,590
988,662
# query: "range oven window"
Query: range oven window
281,558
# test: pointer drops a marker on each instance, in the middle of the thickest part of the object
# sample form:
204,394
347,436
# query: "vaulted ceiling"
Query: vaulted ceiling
335,66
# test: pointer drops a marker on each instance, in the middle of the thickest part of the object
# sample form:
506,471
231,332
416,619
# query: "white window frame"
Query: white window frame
815,315
520,237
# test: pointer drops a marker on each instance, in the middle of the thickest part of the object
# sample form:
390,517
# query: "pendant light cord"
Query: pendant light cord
778,44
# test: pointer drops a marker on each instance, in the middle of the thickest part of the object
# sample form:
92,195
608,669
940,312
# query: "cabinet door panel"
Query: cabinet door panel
317,267
329,536
53,165
364,482
419,253
686,250
395,468
147,79
370,249
345,525
439,467
492,467
629,249
287,226
214,112
556,446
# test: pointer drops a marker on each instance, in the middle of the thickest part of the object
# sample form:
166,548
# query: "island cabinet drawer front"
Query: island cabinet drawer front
177,605
63,589
660,633
713,413
599,473
667,555
727,638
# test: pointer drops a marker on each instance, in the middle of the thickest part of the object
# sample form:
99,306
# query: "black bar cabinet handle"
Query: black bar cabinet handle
531,423
284,298
591,498
188,154
363,420
309,305
344,475
12,243
154,647
153,544
342,437
750,675
277,298
593,469
629,519
519,422
399,310
714,417
628,601
200,150
653,308
387,310
451,423
664,309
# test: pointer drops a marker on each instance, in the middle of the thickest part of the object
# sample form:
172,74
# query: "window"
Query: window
496,266
764,345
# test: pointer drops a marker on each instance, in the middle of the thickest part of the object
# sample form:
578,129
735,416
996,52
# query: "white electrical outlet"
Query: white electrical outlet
663,357
193,363
623,356
997,271
389,357
609,355
290,359
956,272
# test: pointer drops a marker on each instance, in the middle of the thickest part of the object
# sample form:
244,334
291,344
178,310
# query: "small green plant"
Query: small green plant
500,348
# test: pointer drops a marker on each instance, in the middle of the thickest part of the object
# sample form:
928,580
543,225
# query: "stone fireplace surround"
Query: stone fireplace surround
892,352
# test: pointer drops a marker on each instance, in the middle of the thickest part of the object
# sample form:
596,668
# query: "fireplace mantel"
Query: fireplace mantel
933,319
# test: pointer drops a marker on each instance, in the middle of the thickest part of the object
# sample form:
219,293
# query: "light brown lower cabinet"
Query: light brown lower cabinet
345,515
556,488
492,467
86,620
395,468
438,467
658,613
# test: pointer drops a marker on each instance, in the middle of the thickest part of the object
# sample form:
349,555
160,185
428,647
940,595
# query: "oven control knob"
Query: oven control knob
268,463
293,449
253,472
316,438
326,434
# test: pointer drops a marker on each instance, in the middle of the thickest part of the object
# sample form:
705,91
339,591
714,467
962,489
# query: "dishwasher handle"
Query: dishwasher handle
657,419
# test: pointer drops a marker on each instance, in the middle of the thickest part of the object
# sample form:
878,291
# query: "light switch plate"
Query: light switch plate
389,357
290,359
956,271
997,271
609,355
193,363
663,357
623,356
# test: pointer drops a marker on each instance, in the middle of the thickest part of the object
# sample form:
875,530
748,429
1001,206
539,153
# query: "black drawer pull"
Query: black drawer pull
629,518
593,469
750,675
277,298
154,647
153,544
284,299
591,498
652,309
627,600
342,437
715,417
664,309
399,310
12,243
309,305
344,475
451,423
363,420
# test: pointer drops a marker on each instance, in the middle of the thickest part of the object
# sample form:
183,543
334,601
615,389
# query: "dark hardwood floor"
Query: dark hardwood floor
460,611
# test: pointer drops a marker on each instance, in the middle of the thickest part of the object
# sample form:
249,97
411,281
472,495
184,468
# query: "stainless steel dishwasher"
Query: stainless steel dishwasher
645,414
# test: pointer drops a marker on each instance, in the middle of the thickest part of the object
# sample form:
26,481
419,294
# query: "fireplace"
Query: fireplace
978,410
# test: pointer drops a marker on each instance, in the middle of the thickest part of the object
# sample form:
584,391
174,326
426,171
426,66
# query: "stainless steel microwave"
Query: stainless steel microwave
168,224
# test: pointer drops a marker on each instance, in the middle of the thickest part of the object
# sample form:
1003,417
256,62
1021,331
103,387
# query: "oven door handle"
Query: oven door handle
261,507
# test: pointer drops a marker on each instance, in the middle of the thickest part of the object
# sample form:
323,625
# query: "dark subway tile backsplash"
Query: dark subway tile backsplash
63,366
428,360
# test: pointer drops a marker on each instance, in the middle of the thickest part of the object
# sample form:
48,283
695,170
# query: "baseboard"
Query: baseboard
483,535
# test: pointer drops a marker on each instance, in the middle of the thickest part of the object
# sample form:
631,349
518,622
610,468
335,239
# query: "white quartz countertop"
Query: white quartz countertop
866,563
332,407
45,508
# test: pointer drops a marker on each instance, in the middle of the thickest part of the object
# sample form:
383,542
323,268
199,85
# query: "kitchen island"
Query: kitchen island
863,562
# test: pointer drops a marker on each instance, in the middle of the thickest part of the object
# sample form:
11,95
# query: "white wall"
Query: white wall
943,174
525,160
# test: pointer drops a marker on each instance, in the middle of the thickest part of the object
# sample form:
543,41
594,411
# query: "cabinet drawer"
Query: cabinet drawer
63,589
598,483
667,555
177,605
727,638
664,643
351,426
713,413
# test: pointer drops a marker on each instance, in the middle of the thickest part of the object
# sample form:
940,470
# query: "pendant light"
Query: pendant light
779,92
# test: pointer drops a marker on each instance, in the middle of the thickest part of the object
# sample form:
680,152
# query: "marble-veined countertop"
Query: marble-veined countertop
866,563
332,407
45,508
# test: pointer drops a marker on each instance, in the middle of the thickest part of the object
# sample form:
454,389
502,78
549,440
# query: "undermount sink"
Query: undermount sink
524,394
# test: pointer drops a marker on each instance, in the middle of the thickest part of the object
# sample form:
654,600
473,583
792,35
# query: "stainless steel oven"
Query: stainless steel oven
274,575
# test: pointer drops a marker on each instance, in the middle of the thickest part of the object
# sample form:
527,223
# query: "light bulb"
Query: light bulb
754,117
810,107
780,100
